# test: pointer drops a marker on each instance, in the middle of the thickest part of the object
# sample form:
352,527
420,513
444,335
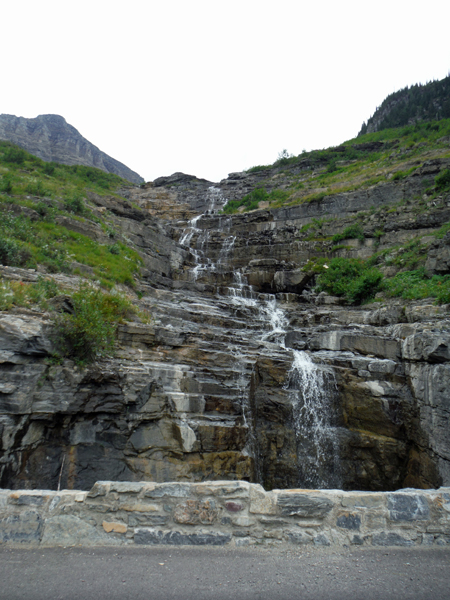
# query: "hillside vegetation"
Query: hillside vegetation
40,206
53,222
391,156
44,209
410,105
359,163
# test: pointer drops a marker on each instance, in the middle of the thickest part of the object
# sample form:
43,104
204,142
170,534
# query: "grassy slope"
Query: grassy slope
33,194
348,168
391,154
33,197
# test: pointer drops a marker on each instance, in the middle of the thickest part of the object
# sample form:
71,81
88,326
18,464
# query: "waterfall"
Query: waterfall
215,202
277,322
312,389
187,234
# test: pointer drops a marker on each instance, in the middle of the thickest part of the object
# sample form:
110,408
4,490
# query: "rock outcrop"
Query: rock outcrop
51,138
207,390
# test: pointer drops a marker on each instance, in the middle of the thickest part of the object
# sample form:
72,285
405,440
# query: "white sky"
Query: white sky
208,87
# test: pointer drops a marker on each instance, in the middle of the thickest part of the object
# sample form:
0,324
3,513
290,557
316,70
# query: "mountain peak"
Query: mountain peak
52,139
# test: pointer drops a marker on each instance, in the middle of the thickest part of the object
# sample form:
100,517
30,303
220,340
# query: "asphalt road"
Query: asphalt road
156,573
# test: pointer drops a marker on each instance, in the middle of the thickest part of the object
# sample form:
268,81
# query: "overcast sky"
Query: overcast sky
208,87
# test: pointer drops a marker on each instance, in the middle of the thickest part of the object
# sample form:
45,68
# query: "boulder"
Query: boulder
291,281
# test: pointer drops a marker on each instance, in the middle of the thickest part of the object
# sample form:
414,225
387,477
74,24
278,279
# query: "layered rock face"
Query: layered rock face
51,138
243,372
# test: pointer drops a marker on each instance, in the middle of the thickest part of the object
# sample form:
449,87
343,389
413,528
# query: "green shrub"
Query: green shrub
442,180
317,197
442,231
37,189
16,226
411,255
340,247
43,290
249,201
258,168
332,166
96,176
10,252
49,168
6,295
89,332
252,200
14,155
352,232
6,184
114,249
416,285
284,158
365,286
54,257
351,278
75,205
18,293
46,210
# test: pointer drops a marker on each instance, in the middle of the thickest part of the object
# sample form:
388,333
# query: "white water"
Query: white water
215,202
312,390
311,387
192,228
277,322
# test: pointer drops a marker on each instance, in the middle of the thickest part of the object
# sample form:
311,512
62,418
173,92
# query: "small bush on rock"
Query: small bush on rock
75,205
443,180
352,278
89,332
352,232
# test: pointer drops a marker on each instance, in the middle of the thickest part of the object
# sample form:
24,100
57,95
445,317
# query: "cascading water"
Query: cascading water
311,387
215,202
186,237
312,390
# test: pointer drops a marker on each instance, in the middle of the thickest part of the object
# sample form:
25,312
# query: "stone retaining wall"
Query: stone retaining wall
222,513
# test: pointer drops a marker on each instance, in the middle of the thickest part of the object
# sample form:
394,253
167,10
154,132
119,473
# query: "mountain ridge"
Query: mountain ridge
52,139
410,105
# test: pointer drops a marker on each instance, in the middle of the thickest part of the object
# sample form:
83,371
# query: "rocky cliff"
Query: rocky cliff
52,139
245,370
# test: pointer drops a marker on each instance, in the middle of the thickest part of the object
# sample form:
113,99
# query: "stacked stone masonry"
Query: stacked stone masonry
233,513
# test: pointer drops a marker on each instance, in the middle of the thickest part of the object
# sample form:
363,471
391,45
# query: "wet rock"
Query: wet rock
427,346
360,343
291,281
201,392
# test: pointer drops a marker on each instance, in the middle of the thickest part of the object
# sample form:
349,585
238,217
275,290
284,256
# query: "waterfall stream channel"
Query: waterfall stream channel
310,386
